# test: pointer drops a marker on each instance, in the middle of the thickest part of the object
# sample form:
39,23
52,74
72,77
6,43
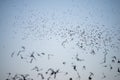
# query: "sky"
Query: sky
60,34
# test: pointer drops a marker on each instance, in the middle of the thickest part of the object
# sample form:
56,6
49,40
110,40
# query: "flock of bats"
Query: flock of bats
81,45
89,39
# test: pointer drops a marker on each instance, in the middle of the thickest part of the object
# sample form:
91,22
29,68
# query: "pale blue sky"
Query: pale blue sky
43,25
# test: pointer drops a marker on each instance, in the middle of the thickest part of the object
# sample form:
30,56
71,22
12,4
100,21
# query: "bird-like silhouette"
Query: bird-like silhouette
43,53
70,79
93,52
50,69
54,73
32,57
63,43
21,57
78,59
84,67
38,54
31,60
7,79
36,69
12,54
20,51
15,77
41,75
9,74
49,78
105,65
90,76
74,67
105,57
114,57
111,67
104,76
118,70
66,73
23,47
113,61
78,75
49,56
64,63
118,61
24,77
